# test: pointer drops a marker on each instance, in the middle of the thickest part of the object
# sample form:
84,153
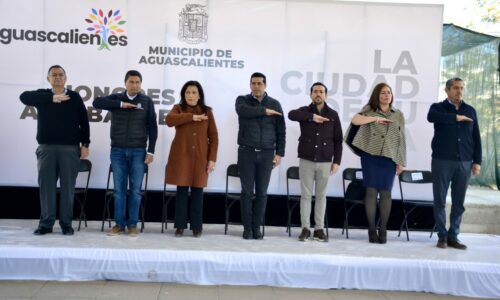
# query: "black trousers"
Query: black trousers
195,208
57,162
255,172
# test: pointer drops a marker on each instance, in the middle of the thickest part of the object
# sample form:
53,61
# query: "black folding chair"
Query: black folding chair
81,193
413,177
108,196
233,172
292,173
354,194
168,195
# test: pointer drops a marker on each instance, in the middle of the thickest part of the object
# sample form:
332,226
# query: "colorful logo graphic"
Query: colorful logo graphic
107,26
193,22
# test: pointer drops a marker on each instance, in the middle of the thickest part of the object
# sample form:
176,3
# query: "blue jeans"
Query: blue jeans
458,174
128,165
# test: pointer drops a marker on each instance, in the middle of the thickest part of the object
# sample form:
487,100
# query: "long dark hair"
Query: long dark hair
374,101
201,102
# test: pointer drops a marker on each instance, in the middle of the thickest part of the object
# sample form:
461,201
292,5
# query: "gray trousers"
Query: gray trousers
458,174
313,172
63,162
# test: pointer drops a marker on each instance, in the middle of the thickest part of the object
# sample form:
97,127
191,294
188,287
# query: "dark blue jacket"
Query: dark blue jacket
130,128
458,141
257,130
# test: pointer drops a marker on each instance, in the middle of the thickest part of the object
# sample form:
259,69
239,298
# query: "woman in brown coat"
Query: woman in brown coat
192,155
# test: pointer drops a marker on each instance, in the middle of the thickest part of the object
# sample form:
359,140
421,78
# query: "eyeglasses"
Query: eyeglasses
57,75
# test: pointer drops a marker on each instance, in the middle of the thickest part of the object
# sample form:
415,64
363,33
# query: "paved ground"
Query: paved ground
148,291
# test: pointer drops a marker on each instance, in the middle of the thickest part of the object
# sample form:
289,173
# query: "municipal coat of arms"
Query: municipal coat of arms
193,21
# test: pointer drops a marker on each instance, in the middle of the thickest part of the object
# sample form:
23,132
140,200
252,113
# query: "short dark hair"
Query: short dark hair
451,81
133,73
56,67
374,101
320,84
201,102
258,75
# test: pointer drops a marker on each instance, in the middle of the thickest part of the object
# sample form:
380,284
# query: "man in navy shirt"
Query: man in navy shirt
456,153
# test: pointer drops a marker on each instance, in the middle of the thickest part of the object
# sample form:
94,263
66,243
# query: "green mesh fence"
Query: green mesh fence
474,57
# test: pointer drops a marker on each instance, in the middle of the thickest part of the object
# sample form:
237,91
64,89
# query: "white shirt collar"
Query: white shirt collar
264,96
130,97
452,103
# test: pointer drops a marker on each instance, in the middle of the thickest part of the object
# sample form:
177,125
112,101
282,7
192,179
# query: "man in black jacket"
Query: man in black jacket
320,153
133,122
456,153
63,126
261,140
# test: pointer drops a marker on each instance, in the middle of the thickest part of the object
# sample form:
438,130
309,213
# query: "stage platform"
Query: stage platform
278,260
482,208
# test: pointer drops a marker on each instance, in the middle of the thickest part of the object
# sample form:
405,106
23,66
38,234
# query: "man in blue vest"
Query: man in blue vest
133,123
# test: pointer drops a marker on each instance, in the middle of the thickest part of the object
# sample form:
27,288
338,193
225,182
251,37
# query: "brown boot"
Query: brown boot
441,243
456,244
372,236
197,233
179,232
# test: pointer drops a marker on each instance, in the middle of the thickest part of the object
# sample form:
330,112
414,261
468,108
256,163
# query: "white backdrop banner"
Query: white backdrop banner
349,46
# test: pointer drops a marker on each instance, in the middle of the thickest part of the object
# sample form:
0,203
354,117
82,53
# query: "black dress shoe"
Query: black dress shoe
372,236
382,236
179,232
42,231
67,231
257,235
457,245
247,234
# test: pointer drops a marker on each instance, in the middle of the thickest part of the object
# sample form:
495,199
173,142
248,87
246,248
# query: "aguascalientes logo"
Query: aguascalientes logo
108,27
193,22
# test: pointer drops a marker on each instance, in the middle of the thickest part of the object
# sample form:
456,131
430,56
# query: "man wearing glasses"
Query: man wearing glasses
63,137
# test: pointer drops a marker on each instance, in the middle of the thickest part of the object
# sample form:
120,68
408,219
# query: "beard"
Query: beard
318,101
